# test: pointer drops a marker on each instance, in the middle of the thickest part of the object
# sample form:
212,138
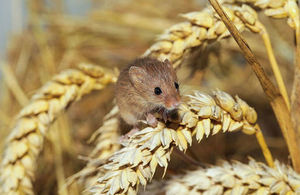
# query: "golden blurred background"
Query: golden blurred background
57,35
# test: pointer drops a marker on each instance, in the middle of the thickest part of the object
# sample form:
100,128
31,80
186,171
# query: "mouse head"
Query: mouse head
156,82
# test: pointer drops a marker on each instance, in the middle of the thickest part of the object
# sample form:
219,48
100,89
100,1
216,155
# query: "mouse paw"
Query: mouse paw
151,120
125,138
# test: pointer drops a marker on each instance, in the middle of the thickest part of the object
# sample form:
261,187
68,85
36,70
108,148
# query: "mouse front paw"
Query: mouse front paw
125,138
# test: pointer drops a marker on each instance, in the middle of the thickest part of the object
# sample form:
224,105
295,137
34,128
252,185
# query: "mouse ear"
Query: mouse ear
137,75
168,63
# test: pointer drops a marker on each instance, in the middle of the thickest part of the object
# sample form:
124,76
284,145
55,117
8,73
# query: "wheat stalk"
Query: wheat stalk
232,178
12,83
203,115
26,139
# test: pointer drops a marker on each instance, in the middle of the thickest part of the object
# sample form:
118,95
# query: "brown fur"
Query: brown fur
135,89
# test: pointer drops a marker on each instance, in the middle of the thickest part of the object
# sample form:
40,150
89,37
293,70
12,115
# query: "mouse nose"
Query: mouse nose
172,103
176,104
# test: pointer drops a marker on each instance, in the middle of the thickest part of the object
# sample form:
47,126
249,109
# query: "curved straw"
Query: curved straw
274,64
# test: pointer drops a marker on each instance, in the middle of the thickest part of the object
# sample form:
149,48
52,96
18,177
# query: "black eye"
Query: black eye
157,91
176,85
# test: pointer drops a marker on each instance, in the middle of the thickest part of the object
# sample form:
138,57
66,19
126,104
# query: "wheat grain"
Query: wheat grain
232,178
203,115
26,139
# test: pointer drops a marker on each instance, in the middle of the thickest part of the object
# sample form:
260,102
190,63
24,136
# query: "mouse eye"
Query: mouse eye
176,85
157,91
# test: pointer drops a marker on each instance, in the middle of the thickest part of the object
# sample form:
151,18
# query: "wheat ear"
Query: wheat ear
205,25
108,134
202,115
106,139
233,178
275,9
26,139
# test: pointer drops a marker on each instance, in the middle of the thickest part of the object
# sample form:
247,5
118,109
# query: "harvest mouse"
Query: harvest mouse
145,87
